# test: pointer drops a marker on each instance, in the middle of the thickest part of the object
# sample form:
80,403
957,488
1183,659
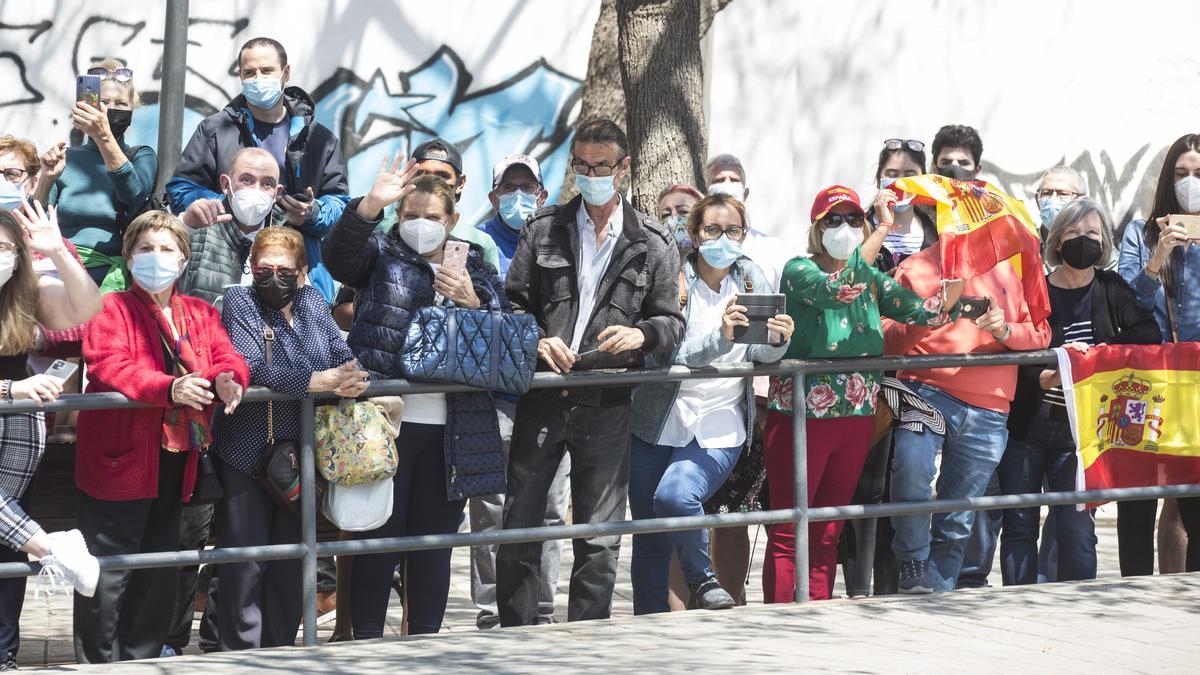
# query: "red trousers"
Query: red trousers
837,449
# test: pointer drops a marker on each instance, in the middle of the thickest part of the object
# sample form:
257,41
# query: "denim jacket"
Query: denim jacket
1131,265
654,401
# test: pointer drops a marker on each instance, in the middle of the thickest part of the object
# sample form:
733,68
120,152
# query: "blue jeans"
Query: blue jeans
666,481
1047,454
971,450
980,552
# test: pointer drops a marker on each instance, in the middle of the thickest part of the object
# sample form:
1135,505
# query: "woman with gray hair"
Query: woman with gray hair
1089,306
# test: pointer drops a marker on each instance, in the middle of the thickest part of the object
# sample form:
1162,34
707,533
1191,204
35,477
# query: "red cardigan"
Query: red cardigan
118,450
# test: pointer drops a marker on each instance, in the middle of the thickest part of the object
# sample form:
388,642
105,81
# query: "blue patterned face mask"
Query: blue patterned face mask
720,252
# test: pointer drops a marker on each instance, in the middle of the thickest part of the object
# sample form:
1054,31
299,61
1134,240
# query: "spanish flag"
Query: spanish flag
978,226
1133,412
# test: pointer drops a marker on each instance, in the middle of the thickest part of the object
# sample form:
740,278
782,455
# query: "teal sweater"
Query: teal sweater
86,192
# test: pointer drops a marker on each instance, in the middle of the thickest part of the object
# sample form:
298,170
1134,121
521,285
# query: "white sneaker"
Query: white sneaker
70,562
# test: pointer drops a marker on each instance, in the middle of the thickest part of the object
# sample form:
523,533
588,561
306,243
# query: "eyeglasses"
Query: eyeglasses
715,231
1047,193
265,272
15,175
897,143
839,219
118,74
509,188
7,247
599,170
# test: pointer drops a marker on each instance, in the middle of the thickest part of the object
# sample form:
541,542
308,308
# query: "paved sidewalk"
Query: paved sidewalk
1148,624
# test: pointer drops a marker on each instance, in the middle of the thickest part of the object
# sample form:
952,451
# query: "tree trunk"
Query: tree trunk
603,95
663,75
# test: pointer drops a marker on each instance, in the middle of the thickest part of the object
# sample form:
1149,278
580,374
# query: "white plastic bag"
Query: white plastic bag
356,508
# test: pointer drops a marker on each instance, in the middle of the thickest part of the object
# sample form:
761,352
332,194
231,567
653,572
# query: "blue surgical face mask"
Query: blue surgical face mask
720,252
1050,206
12,195
262,92
516,207
596,190
885,183
155,271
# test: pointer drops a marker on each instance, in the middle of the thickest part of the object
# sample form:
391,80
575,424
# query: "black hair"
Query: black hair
885,155
1165,203
259,42
600,130
958,136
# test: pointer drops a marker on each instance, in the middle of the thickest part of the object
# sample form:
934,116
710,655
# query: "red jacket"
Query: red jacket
118,450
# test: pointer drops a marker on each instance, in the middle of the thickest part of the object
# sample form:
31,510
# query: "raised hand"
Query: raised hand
391,185
41,229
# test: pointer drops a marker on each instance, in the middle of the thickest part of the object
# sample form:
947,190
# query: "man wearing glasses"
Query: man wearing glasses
602,280
1059,185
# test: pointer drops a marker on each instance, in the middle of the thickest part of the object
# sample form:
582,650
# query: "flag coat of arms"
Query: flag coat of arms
1134,413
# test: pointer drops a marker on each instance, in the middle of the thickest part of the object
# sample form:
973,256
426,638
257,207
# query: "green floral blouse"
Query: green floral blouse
838,316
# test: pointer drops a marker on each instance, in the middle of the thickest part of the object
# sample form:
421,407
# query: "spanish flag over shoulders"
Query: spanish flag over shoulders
1135,413
979,225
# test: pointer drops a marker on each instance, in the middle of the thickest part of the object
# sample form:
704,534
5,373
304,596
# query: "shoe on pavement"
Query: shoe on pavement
915,578
9,662
708,594
70,563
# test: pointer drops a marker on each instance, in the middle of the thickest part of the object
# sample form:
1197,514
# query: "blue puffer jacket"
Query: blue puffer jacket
394,282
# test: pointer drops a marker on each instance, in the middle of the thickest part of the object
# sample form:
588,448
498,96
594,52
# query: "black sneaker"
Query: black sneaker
914,577
9,662
708,594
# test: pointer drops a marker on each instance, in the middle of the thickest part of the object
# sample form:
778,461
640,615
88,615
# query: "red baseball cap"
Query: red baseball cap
830,197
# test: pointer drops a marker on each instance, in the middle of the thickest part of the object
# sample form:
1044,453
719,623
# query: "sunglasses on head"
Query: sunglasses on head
897,143
118,74
265,272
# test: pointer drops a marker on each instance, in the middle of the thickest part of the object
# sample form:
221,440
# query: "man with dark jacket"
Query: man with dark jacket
280,120
602,280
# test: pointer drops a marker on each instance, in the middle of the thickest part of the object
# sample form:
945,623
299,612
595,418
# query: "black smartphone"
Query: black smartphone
972,307
302,197
759,308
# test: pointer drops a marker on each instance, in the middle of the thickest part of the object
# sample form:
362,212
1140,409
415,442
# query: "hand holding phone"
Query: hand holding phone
61,370
972,307
87,90
1189,223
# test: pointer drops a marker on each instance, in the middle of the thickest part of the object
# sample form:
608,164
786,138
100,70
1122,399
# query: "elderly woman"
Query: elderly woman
840,298
1090,306
101,185
136,467
27,299
450,442
260,605
688,435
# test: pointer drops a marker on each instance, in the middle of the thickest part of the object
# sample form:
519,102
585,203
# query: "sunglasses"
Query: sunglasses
265,272
118,74
897,143
839,219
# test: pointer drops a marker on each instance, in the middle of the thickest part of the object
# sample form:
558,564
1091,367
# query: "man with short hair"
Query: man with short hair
602,280
279,119
957,152
725,174
1058,186
517,192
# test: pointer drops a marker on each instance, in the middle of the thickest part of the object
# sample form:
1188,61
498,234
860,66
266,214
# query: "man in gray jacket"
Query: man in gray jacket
602,280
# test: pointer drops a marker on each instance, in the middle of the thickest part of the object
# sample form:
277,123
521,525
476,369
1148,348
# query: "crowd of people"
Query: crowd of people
260,269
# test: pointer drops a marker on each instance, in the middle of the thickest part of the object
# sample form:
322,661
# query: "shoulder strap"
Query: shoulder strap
683,294
268,339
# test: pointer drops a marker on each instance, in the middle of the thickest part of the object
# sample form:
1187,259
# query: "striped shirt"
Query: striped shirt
1073,307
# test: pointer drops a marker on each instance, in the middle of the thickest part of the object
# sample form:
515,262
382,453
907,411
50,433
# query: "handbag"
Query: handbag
278,467
484,348
356,508
355,443
208,488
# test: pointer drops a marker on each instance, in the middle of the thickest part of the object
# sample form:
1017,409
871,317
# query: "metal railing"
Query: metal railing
309,550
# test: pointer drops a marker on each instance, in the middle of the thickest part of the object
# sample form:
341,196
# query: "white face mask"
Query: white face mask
8,265
840,242
731,188
251,205
1187,193
422,235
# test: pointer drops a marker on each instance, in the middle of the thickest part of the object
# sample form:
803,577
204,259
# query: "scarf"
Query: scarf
184,428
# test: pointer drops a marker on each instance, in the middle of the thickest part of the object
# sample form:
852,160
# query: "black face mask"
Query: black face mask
276,292
956,172
119,120
1081,252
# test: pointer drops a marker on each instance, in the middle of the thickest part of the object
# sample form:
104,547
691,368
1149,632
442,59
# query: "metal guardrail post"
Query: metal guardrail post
171,95
800,476
308,518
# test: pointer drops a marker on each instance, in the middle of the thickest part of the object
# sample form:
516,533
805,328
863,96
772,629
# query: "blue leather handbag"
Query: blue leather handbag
485,348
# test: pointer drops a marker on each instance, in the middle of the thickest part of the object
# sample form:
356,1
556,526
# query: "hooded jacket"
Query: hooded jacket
313,159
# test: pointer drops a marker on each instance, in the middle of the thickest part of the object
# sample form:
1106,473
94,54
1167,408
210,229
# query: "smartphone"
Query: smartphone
62,370
759,308
302,197
455,255
972,307
87,90
1189,223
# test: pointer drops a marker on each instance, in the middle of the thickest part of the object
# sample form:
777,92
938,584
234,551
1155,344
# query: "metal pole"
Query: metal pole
308,519
800,493
171,96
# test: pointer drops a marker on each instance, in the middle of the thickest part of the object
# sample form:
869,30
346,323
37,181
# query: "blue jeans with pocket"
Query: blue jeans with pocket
665,481
971,450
